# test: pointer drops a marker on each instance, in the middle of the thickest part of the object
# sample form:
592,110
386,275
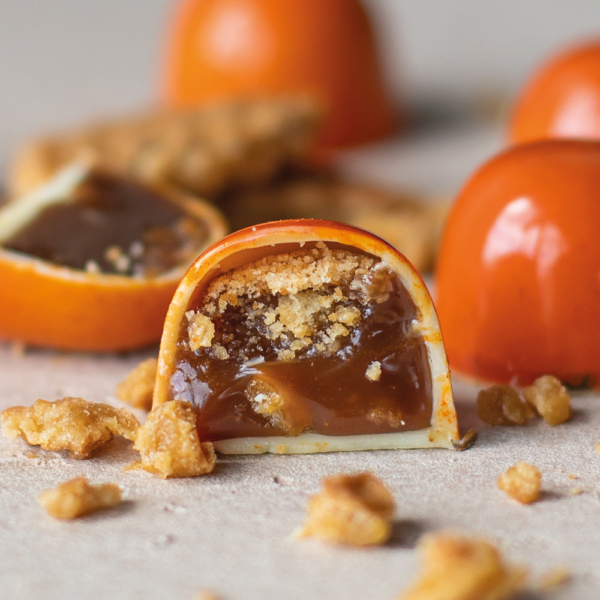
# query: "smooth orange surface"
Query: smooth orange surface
48,305
518,276
229,48
562,100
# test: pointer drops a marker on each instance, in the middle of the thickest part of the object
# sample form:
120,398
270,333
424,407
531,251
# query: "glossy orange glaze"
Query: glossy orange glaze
518,276
562,99
228,48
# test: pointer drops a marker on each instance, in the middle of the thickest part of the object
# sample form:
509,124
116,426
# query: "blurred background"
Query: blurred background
455,63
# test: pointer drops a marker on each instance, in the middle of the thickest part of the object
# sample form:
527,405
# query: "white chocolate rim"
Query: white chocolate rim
253,243
312,443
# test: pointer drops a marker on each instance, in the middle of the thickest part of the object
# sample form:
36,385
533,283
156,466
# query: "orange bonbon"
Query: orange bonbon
220,49
562,99
518,276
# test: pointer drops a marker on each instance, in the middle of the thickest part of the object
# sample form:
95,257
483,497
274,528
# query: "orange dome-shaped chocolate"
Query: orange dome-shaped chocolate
228,48
562,100
518,277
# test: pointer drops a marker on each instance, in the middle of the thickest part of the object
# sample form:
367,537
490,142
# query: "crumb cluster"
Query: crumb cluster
72,424
455,567
206,150
522,482
351,509
137,388
549,398
78,497
169,445
502,404
308,301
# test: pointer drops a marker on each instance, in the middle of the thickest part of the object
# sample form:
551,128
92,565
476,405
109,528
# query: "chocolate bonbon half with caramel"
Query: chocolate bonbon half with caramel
307,336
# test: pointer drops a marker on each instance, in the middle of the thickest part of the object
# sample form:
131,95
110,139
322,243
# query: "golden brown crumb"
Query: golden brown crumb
310,312
72,424
572,476
169,445
549,399
521,482
597,448
501,405
201,331
454,567
555,578
77,497
374,371
576,491
206,150
351,509
137,388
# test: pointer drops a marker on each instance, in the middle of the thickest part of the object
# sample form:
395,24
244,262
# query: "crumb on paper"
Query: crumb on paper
374,371
576,491
455,567
521,482
351,509
169,445
549,398
597,448
137,388
572,476
78,497
72,424
501,405
555,578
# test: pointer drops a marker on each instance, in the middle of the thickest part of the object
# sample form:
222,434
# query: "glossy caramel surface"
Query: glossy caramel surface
113,224
327,394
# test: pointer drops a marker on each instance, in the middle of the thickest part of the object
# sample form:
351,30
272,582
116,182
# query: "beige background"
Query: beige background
456,62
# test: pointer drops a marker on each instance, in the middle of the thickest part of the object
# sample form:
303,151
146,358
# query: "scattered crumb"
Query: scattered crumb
72,424
351,509
549,399
137,388
136,465
374,371
501,405
555,578
572,476
576,491
454,567
521,482
77,497
169,443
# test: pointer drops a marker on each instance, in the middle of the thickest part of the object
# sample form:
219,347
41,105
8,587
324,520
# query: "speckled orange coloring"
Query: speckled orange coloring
518,278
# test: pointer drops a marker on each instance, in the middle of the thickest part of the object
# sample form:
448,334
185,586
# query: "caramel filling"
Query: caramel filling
319,340
112,225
